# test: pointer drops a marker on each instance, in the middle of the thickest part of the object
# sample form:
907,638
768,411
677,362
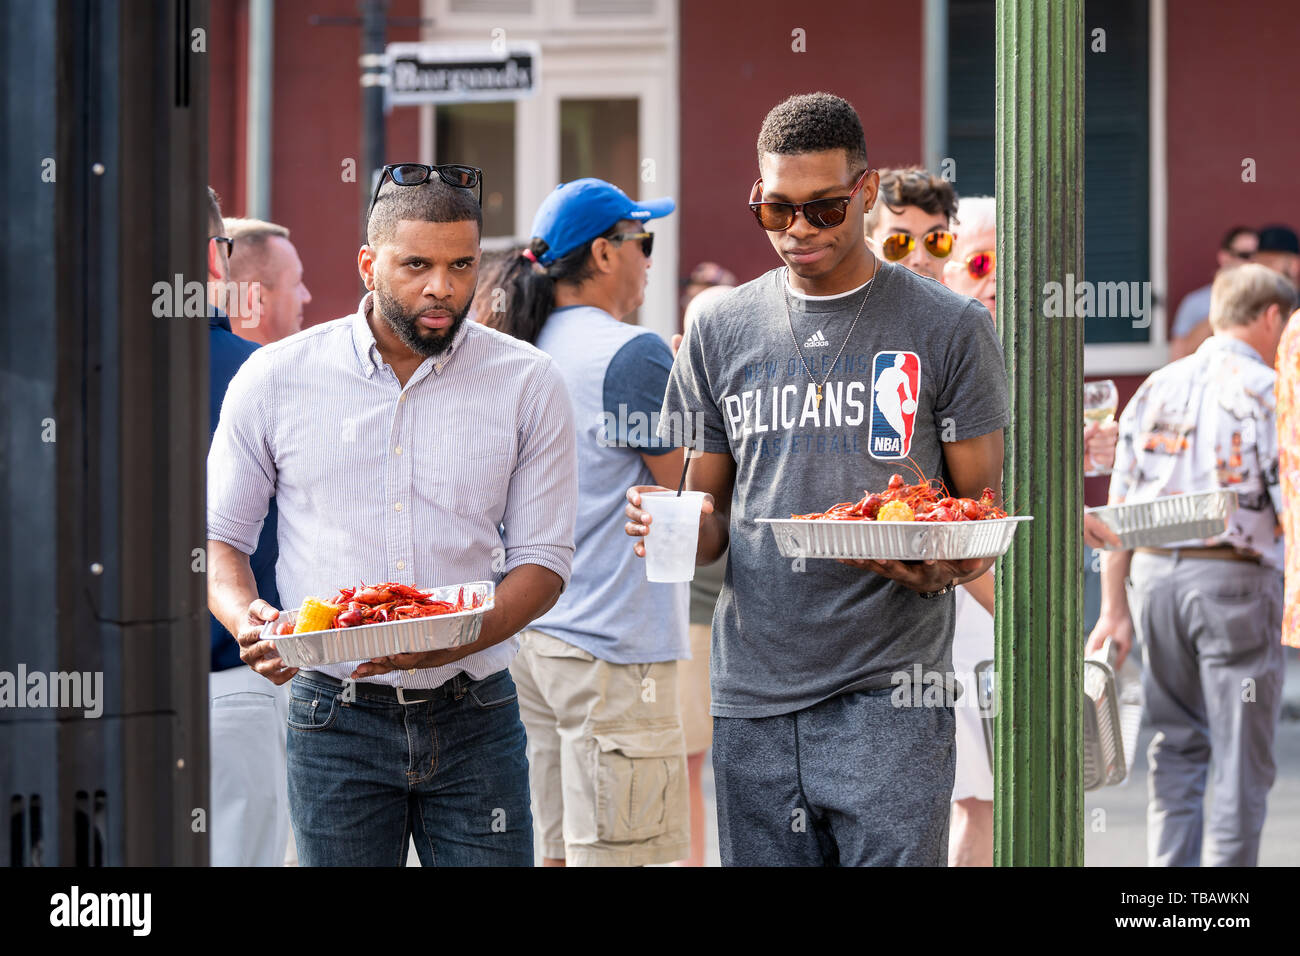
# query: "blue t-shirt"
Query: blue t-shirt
1192,311
226,353
616,376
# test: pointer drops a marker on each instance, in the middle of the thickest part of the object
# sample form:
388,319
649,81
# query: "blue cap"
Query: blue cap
581,210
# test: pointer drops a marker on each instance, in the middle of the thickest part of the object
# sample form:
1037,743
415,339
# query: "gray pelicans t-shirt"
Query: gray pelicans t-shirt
924,366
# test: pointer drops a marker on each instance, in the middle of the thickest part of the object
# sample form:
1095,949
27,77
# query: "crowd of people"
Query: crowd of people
474,420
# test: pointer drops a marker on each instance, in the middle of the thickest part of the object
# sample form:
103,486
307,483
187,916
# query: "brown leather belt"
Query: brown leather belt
1223,552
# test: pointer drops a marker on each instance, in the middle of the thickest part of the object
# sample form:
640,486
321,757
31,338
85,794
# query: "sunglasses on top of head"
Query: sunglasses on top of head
818,213
417,174
899,245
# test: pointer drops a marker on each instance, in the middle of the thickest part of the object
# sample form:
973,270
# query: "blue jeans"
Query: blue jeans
850,781
367,774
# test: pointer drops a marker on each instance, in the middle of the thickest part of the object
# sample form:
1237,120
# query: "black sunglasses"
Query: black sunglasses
647,240
227,242
417,174
819,213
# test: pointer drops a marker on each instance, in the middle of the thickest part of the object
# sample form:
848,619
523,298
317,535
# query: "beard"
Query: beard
405,325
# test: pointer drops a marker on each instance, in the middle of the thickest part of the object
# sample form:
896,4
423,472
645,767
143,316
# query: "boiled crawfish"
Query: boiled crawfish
384,603
928,503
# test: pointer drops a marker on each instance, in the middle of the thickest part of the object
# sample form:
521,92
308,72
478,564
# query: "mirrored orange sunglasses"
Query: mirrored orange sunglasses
898,245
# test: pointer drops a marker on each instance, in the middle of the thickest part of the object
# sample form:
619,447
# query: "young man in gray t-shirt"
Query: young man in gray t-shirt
814,383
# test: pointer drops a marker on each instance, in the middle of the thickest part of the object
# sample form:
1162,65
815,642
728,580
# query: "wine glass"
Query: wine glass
1100,402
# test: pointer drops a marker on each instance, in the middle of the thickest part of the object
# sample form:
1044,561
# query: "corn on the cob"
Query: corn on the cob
315,616
895,511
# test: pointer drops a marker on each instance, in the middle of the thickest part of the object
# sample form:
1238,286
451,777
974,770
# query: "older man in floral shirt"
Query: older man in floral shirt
1208,612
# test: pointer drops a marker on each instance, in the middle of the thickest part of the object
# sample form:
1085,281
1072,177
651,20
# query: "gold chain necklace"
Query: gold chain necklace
785,297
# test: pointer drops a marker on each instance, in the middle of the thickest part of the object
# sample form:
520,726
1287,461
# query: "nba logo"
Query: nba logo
895,385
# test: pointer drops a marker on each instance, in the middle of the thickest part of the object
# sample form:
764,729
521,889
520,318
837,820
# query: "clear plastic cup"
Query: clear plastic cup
1100,402
673,535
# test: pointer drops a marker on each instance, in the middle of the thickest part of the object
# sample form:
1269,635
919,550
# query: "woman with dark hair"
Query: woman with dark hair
491,293
515,295
597,675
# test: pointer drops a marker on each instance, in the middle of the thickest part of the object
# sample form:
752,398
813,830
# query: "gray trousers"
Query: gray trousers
851,781
1212,675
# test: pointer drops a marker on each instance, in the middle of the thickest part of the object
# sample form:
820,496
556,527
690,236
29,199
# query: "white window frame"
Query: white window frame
566,17
616,58
472,26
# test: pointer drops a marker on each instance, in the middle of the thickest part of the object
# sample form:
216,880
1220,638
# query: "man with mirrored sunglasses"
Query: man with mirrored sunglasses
912,222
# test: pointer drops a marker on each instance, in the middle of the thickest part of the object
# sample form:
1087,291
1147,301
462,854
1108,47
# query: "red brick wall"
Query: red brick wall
226,46
316,124
737,63
1232,93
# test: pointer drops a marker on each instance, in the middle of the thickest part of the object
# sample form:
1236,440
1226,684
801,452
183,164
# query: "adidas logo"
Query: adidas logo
817,341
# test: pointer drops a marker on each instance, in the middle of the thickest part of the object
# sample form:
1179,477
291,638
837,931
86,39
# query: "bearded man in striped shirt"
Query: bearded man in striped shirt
401,444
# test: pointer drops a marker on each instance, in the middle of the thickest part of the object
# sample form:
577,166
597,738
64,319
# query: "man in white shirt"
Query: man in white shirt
402,444
911,221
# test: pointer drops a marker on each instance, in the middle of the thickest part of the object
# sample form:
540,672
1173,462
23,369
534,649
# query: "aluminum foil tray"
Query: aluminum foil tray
1168,520
1108,740
987,692
894,540
1130,698
1103,743
337,645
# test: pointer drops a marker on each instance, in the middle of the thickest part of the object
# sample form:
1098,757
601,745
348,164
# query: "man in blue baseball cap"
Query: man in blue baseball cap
597,674
576,213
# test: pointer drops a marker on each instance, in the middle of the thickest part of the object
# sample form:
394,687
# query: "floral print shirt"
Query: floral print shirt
1206,422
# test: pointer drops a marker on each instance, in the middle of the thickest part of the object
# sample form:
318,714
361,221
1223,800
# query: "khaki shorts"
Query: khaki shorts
606,757
693,689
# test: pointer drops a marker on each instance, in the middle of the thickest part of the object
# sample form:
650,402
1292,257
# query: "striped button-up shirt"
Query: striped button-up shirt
464,474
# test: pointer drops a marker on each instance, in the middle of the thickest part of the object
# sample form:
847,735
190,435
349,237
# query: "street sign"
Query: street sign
458,73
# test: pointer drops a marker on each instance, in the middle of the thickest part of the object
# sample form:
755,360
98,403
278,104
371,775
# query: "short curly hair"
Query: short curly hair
812,123
913,186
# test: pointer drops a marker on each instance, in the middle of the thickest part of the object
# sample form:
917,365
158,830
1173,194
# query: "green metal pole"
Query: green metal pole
1038,807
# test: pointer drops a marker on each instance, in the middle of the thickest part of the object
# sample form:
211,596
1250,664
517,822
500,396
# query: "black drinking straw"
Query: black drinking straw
686,462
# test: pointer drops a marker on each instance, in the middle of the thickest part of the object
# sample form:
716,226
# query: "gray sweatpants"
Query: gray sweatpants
1212,675
850,781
